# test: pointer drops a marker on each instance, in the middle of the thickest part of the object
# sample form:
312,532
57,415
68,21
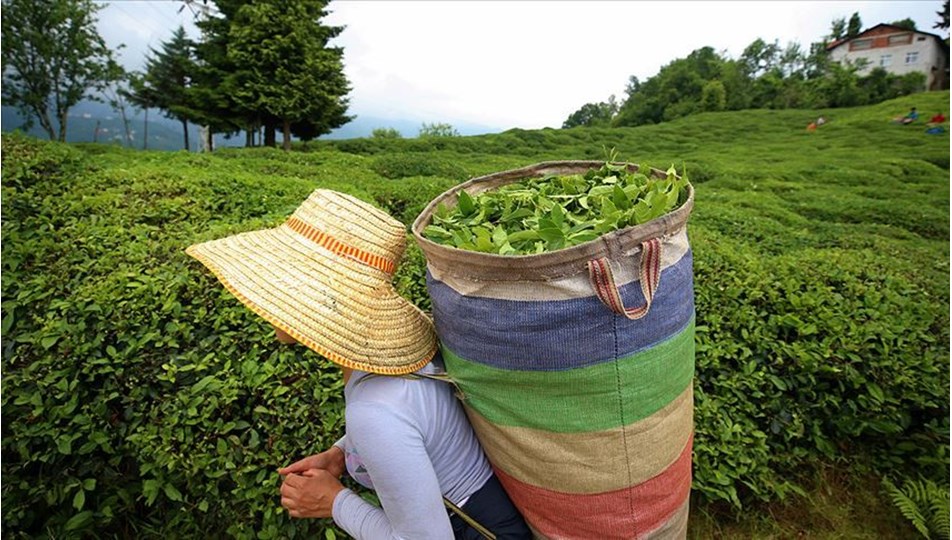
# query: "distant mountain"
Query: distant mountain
90,121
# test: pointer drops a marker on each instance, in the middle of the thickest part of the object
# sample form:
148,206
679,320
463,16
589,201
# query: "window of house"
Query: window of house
921,38
885,60
912,57
860,44
900,39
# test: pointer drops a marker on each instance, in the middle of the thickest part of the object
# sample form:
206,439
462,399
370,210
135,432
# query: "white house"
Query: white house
899,51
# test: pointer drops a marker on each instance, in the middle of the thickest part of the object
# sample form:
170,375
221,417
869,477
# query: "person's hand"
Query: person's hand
310,494
331,460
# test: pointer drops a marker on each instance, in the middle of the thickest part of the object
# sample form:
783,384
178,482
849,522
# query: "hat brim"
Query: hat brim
335,305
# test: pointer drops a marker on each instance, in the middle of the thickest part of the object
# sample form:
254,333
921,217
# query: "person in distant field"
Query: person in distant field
911,117
936,120
811,126
820,121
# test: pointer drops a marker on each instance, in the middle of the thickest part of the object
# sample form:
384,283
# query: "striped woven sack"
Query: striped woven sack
576,368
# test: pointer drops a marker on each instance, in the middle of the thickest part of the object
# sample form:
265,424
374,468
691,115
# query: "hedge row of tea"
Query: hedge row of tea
140,399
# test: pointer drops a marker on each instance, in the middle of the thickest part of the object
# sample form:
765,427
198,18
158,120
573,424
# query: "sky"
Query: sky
527,64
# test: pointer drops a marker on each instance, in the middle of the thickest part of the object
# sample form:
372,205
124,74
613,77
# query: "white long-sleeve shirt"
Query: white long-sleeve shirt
410,441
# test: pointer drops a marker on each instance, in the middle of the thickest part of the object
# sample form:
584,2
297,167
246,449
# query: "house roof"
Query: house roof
842,41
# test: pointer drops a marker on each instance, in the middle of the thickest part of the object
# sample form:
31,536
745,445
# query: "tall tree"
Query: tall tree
166,82
838,29
760,57
855,26
291,73
53,57
213,86
943,23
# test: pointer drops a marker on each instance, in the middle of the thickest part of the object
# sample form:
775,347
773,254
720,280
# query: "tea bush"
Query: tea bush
140,400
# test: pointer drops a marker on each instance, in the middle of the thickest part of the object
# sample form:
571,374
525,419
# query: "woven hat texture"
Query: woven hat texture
324,276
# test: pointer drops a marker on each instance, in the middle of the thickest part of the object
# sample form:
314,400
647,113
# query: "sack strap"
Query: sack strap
600,274
440,376
470,521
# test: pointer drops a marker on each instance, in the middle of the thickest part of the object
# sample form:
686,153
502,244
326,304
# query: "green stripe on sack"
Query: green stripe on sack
603,396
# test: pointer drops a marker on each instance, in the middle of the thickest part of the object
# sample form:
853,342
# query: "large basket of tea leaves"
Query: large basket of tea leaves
563,298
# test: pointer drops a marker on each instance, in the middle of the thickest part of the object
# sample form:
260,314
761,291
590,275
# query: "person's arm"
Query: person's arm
392,450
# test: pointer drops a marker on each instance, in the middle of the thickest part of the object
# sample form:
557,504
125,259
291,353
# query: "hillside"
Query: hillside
153,405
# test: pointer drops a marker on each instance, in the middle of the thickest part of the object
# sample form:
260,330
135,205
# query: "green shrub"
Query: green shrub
386,133
416,164
140,400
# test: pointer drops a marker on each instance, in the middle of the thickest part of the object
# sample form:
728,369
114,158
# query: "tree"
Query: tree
855,26
760,57
713,96
943,23
386,133
838,29
53,57
437,130
166,82
290,72
906,23
676,90
118,95
593,114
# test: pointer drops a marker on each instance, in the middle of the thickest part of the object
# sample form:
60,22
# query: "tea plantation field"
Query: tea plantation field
140,400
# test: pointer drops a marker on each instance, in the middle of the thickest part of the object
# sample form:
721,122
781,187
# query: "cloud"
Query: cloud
522,64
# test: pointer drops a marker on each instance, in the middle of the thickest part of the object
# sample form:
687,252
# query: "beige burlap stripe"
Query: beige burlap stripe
590,462
675,528
565,288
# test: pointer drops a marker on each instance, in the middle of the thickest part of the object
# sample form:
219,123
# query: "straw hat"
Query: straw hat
324,277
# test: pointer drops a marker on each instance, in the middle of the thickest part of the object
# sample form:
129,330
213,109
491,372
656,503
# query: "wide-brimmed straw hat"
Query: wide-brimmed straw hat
324,276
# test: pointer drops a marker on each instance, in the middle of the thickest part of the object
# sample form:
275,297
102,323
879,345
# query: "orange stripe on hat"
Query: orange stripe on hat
338,247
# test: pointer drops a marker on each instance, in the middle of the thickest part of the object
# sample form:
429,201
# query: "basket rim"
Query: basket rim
549,265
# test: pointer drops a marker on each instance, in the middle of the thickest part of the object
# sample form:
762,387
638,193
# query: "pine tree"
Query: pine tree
288,72
166,82
855,26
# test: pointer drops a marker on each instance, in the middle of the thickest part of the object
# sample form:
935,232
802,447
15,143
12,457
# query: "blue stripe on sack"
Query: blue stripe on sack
560,334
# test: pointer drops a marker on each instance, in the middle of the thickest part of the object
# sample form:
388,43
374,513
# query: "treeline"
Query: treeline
258,67
766,76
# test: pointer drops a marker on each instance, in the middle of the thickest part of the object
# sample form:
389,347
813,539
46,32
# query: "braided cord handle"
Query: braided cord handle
600,274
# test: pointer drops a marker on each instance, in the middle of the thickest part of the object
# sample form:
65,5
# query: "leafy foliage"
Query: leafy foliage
765,75
553,212
437,129
289,71
53,57
165,84
593,114
386,133
924,503
141,400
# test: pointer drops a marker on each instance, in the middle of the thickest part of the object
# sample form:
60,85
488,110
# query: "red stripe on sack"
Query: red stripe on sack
340,248
605,515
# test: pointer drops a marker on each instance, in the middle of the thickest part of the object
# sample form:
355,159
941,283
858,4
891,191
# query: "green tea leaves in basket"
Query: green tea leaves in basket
538,215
